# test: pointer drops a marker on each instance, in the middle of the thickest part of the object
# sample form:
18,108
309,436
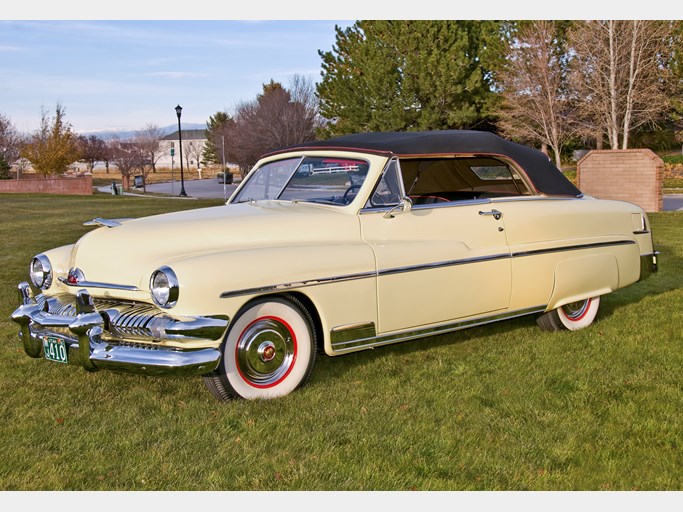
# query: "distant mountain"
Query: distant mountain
124,134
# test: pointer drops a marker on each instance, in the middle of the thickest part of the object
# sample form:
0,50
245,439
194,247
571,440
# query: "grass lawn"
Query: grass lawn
502,407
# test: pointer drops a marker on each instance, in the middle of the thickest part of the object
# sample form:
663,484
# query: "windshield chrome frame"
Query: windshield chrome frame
302,158
252,175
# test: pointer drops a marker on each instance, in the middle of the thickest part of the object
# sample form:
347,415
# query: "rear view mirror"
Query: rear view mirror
404,206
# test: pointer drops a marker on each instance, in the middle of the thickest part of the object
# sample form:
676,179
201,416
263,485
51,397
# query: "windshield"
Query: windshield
325,180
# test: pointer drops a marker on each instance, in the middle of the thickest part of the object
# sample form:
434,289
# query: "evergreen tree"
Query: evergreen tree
5,168
385,75
217,129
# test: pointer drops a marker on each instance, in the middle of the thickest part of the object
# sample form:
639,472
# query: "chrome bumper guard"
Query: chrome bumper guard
648,265
94,348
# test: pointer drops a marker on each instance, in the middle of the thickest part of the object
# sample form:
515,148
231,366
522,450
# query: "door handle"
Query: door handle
495,213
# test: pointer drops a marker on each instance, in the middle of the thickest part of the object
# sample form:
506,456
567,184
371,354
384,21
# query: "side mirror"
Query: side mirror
404,206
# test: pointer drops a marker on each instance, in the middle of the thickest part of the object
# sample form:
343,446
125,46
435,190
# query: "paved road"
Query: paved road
209,188
205,189
673,202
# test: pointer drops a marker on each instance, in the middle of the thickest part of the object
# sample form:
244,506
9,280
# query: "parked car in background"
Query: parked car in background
413,234
225,177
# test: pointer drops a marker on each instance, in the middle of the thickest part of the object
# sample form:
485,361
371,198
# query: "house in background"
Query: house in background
193,148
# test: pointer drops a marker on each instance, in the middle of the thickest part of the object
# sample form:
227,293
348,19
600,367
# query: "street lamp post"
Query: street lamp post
178,111
225,193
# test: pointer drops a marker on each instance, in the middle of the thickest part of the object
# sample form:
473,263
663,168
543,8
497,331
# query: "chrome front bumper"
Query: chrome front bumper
122,337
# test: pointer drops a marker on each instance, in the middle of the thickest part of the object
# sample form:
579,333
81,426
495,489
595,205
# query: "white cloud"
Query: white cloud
176,74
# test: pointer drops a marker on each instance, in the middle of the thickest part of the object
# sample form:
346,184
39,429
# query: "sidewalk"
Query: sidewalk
208,188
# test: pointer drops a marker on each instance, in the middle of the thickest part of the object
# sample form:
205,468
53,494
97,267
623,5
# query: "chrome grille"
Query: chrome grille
126,319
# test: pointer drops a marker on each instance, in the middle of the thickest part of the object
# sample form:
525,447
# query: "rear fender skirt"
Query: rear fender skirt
584,277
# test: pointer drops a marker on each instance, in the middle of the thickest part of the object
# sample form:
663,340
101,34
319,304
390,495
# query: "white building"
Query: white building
193,148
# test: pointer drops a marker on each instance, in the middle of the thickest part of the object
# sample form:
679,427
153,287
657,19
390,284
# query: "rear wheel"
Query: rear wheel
572,316
269,351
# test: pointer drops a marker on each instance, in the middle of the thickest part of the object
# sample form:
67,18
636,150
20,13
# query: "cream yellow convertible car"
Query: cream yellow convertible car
334,246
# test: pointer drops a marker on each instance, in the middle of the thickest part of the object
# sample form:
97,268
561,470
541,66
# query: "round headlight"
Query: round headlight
164,287
41,272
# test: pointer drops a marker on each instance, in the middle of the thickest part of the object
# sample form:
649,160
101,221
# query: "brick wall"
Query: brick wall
64,186
633,175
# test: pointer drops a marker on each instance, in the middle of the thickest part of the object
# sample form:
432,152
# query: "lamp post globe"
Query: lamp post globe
178,111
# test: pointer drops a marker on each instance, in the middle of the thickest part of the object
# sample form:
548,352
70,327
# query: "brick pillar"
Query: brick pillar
633,175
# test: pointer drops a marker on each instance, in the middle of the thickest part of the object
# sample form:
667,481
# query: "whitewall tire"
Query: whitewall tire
269,351
573,316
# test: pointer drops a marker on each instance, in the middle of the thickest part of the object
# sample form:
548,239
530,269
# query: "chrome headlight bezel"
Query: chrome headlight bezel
40,272
164,287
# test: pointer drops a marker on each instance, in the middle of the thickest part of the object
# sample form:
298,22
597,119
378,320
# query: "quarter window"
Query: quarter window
388,191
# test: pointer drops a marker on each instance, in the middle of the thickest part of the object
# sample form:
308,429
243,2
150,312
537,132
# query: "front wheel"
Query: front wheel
269,351
572,316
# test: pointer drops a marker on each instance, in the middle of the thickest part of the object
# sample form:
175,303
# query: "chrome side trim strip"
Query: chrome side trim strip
97,284
485,200
534,198
450,204
347,333
342,346
571,248
412,268
298,284
440,264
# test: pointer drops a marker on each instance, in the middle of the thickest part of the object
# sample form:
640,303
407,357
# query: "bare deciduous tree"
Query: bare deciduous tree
278,117
148,141
92,150
192,150
10,140
619,74
126,156
536,102
146,145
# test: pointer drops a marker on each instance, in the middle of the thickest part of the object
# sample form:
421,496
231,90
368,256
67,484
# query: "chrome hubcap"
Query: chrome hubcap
265,352
576,310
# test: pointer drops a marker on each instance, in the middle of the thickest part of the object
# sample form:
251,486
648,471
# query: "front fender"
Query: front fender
220,283
60,259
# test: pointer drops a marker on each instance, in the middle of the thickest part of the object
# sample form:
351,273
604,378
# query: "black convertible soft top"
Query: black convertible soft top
545,176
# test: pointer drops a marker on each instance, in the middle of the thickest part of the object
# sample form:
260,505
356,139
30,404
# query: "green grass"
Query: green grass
673,185
673,159
502,407
673,182
570,174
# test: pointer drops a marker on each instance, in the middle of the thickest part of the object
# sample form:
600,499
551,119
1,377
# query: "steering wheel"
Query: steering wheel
345,198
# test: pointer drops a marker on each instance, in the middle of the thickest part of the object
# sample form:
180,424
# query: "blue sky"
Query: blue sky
124,74
123,64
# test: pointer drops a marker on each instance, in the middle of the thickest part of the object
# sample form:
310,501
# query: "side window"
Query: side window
388,191
457,179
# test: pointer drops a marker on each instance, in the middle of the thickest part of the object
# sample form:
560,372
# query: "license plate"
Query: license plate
55,350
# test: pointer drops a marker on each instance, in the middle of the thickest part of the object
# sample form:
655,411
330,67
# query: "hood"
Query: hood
127,254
